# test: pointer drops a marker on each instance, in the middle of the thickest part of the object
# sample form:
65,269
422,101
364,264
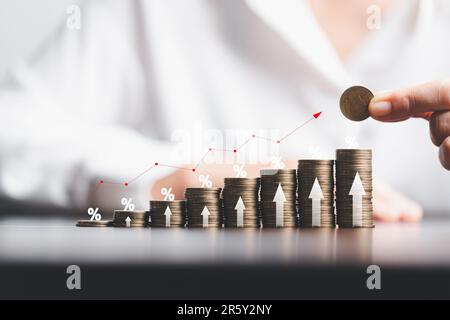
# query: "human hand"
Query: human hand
390,205
430,101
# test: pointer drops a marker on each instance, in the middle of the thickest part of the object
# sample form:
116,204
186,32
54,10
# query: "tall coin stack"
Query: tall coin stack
168,214
354,188
241,202
316,193
203,207
278,198
133,219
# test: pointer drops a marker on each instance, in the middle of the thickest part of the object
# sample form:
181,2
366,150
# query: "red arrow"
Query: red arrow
235,150
315,115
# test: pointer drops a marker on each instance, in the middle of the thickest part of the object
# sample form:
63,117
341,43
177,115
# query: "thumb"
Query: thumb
418,101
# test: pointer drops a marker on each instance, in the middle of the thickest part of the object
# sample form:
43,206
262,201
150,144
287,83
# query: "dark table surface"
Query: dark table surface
390,244
298,263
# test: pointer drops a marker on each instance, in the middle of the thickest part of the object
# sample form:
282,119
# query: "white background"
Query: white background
24,25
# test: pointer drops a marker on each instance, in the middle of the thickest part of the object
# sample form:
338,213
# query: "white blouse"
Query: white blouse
162,81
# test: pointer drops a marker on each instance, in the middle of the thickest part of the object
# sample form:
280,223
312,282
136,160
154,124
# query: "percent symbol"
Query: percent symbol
128,204
239,170
95,215
205,181
351,142
277,163
167,193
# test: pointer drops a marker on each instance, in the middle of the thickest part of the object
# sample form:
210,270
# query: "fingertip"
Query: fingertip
413,213
386,217
444,153
412,218
379,108
387,213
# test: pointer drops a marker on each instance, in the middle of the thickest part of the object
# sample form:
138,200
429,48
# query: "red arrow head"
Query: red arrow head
316,115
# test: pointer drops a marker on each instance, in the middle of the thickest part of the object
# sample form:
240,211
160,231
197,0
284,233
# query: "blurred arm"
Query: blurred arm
67,116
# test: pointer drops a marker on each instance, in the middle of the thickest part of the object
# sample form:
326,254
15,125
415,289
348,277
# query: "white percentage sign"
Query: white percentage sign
239,170
167,193
315,152
127,203
95,215
277,163
204,179
351,142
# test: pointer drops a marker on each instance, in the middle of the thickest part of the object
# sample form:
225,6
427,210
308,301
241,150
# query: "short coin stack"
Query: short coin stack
278,198
354,188
241,202
94,223
316,193
168,214
130,219
203,207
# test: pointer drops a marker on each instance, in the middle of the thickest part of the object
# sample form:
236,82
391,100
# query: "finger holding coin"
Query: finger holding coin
430,101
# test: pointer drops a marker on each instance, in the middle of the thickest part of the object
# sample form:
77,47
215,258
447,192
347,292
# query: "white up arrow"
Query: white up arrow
128,222
279,200
357,192
240,207
167,213
316,196
205,213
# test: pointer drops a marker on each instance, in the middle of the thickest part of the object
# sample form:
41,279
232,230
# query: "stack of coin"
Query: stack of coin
128,218
241,202
168,214
316,193
354,188
278,194
94,223
203,207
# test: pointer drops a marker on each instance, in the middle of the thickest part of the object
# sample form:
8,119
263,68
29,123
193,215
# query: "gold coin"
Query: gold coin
354,103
